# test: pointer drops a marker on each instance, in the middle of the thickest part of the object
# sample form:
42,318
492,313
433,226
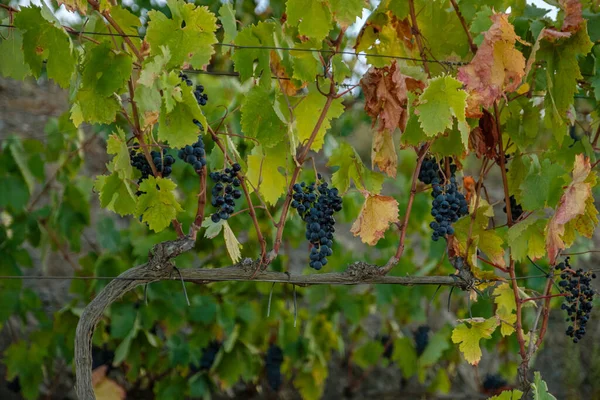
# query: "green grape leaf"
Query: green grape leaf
310,381
259,119
212,228
91,108
117,145
116,194
12,62
20,156
263,171
351,168
443,100
508,395
540,388
313,17
438,344
157,205
24,360
244,59
345,12
367,354
405,356
178,111
340,69
154,68
232,244
528,238
504,299
469,334
543,184
306,113
306,64
45,40
189,34
227,18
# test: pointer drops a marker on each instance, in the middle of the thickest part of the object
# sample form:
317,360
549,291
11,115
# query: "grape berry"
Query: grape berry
209,353
273,361
447,207
224,192
578,302
421,336
515,208
494,384
316,206
431,170
162,162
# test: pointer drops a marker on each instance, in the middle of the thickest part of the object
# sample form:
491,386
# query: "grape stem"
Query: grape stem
472,45
404,227
417,33
201,203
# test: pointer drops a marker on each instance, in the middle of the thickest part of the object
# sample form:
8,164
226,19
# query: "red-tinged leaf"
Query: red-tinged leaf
573,20
497,68
572,204
386,101
484,138
375,218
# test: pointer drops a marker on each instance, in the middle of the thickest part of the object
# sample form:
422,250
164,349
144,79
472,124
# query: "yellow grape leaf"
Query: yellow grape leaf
375,217
307,112
469,336
497,68
573,203
384,153
263,171
105,388
232,244
508,395
505,300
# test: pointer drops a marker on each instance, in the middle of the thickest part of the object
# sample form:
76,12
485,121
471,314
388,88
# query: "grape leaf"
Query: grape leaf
117,145
313,17
306,64
153,68
375,217
442,100
306,113
259,119
212,228
345,12
45,40
227,18
572,204
263,171
116,194
244,59
573,20
540,388
508,395
527,238
367,354
352,168
178,111
497,68
189,34
232,244
438,344
12,62
542,185
405,356
105,388
74,5
469,336
504,299
157,204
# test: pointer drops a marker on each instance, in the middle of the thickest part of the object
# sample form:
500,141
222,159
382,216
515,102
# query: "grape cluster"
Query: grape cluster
447,207
515,208
578,302
316,206
162,162
195,155
199,94
430,170
224,192
209,353
388,346
273,361
421,336
494,384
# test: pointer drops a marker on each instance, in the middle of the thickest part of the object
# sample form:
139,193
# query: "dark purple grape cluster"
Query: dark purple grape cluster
225,192
494,384
430,169
447,207
162,161
579,299
515,208
421,336
199,94
273,361
194,154
316,206
209,353
388,346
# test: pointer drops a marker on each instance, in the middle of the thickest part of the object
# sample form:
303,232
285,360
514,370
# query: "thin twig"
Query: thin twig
461,18
417,33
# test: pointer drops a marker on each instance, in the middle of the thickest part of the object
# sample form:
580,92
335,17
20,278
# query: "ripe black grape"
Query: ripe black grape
430,169
515,208
225,192
209,353
494,384
316,206
194,154
447,207
163,163
199,94
579,300
421,336
388,346
273,361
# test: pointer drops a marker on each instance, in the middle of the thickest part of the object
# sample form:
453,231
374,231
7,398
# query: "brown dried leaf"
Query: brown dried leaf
384,153
484,138
572,204
573,15
497,68
105,388
375,217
